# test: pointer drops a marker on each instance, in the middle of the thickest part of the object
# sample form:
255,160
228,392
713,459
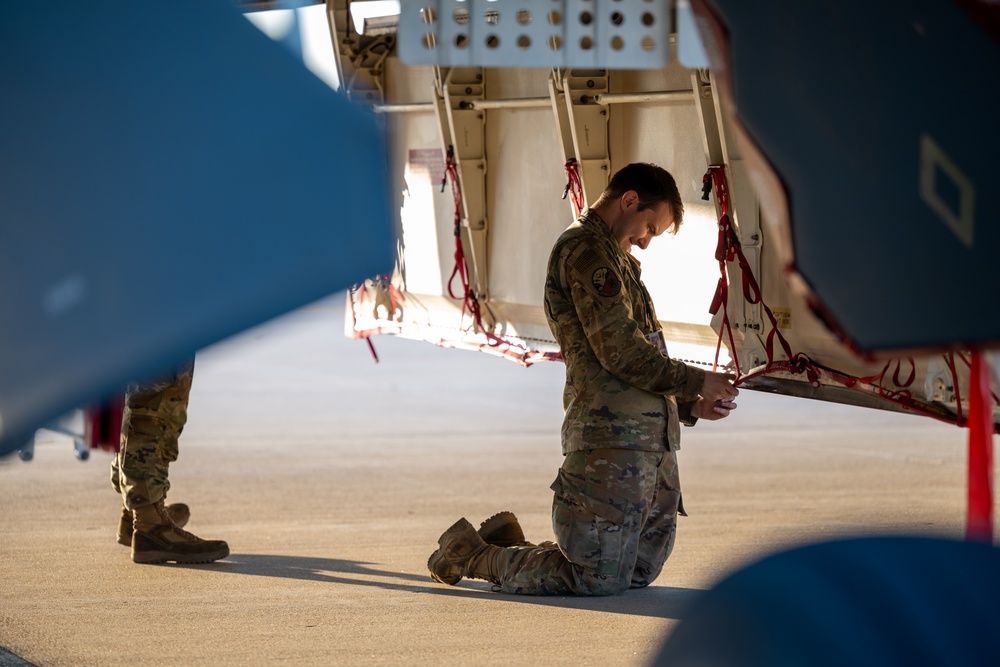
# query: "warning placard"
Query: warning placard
783,317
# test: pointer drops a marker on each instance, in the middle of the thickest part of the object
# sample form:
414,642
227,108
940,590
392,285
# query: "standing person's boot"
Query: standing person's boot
463,553
157,539
179,513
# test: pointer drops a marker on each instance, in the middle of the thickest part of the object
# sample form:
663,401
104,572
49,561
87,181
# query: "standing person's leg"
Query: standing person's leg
179,513
154,417
659,531
155,414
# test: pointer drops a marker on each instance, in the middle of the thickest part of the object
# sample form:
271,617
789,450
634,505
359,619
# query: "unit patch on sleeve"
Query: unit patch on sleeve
606,282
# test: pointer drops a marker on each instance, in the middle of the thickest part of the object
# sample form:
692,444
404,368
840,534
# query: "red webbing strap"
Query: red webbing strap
875,381
724,253
872,385
996,399
451,170
729,250
574,186
362,291
954,380
371,346
979,521
507,350
909,380
470,303
394,295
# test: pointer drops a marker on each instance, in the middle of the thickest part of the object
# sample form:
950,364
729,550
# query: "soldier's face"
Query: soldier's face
641,227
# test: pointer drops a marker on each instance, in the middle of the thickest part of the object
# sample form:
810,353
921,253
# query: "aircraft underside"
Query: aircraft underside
490,162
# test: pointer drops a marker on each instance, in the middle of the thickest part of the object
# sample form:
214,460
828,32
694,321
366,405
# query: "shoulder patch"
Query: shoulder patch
606,282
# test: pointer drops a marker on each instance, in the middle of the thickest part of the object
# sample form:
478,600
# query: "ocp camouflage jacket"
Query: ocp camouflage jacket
621,392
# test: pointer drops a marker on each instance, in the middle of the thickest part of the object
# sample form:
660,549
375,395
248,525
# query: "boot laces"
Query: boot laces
161,509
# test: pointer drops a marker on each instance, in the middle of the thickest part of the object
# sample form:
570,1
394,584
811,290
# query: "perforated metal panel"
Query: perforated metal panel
628,34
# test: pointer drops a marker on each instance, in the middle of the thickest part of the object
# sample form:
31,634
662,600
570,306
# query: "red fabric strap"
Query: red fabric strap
729,250
574,186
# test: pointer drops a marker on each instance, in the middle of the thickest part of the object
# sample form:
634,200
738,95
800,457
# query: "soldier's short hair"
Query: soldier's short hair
652,183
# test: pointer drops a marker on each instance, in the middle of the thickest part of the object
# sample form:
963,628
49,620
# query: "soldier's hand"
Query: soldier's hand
719,386
704,409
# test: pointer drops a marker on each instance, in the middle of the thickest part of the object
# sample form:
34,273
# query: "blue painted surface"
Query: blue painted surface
169,176
864,602
839,96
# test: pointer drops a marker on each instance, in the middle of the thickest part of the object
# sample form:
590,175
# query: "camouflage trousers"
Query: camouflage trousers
614,515
154,416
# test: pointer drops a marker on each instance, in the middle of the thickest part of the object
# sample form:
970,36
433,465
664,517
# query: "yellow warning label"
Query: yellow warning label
783,316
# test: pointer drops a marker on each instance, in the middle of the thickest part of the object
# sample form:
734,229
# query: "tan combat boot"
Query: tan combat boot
156,539
463,553
503,530
179,513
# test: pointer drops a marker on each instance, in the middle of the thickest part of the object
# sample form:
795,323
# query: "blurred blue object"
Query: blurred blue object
879,118
169,176
902,601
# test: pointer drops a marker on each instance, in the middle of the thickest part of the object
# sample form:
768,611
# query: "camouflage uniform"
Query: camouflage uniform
155,414
617,494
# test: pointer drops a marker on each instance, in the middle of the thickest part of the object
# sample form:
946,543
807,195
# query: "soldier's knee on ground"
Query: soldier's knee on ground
644,574
602,585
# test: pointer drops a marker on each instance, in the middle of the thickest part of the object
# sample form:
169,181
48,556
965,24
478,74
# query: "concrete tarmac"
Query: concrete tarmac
332,477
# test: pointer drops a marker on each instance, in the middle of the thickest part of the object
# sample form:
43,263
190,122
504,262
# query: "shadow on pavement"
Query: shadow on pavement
655,601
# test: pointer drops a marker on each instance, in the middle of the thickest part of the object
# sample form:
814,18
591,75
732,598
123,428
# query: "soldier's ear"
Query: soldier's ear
629,199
